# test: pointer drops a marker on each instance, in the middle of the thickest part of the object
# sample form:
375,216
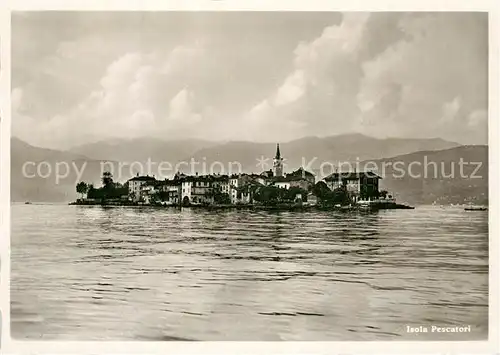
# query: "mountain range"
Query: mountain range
314,153
451,176
301,152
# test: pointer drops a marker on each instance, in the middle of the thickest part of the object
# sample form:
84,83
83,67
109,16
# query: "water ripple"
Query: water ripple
88,273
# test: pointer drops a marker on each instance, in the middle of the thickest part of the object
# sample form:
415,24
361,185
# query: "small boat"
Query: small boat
475,208
27,203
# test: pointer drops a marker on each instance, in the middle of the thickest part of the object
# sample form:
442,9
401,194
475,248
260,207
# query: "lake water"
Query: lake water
93,273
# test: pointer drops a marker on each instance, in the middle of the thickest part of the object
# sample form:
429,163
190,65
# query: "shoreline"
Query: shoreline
281,207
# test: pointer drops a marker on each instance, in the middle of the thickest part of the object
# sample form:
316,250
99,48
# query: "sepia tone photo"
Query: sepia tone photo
249,176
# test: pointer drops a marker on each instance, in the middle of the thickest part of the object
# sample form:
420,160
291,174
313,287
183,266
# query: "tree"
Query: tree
222,198
327,197
163,195
321,190
269,195
81,188
272,195
340,196
107,185
323,193
291,194
116,191
107,179
91,191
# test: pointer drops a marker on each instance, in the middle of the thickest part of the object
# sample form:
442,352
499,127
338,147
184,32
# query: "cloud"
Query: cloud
430,81
319,95
451,110
382,74
478,118
181,109
128,102
292,89
183,119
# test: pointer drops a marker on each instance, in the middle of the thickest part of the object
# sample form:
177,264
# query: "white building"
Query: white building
282,184
135,184
233,186
186,190
225,187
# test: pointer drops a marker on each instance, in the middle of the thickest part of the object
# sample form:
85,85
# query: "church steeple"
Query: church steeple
278,162
278,155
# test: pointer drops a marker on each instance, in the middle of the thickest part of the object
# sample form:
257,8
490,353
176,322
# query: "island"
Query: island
269,190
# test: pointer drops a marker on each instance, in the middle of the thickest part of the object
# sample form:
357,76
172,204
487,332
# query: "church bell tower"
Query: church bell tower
278,162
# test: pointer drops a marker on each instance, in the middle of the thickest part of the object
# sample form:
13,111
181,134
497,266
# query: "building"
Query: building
265,175
136,183
288,182
282,182
243,187
299,178
147,193
359,185
202,189
186,189
170,191
302,174
217,189
254,178
205,189
221,184
234,184
278,163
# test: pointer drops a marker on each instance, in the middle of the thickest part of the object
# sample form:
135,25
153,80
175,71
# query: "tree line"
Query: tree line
108,190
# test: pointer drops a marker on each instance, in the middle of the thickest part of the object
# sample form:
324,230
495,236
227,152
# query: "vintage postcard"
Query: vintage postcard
225,172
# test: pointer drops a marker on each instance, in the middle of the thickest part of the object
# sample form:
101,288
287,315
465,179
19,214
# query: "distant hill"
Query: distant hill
344,148
140,149
331,149
443,182
32,185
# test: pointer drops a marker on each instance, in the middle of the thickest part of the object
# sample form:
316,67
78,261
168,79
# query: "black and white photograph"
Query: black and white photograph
249,176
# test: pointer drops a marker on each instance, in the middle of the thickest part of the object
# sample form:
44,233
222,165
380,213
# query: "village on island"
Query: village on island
272,189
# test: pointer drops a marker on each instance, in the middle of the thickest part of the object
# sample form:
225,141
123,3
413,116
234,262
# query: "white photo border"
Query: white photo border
491,346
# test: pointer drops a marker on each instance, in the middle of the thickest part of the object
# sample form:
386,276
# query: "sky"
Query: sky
82,77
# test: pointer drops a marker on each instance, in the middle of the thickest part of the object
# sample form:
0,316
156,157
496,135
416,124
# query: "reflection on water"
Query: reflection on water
92,273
